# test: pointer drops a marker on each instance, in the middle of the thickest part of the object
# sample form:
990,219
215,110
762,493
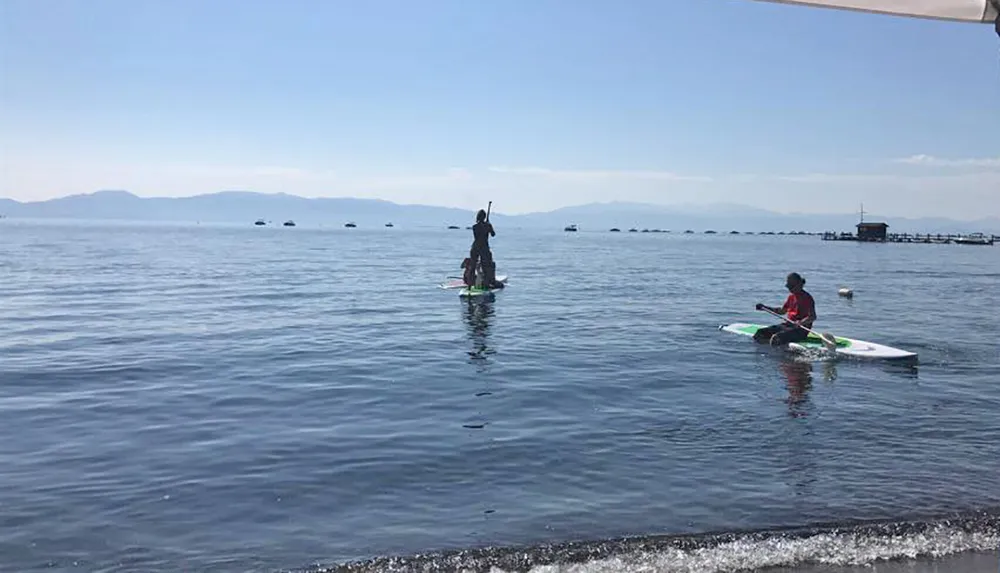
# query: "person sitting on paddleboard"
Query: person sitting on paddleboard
468,272
801,311
472,277
480,251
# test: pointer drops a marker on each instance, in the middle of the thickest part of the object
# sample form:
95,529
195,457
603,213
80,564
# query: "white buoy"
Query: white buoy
846,292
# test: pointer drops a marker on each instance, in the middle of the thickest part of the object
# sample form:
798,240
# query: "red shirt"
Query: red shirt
799,305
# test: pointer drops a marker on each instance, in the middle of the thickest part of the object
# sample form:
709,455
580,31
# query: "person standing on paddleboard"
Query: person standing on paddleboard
801,309
480,251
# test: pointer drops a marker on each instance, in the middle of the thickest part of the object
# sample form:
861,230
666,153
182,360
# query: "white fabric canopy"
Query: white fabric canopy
961,10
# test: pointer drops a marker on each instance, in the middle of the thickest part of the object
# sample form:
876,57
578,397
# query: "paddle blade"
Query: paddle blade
829,340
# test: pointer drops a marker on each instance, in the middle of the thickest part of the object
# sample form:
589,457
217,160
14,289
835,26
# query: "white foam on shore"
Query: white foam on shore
834,549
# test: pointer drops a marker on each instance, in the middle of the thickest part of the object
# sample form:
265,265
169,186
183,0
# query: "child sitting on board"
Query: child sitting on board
469,275
477,277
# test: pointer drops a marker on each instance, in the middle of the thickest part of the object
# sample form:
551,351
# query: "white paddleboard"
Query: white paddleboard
845,346
459,283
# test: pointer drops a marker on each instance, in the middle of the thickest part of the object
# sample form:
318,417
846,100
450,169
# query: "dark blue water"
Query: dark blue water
224,398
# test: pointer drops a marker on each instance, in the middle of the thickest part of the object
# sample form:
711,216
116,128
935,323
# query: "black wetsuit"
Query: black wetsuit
480,251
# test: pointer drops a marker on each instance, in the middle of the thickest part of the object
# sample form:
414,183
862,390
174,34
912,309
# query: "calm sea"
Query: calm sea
213,398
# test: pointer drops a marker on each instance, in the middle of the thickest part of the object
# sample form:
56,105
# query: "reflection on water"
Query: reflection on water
478,314
828,370
478,317
799,382
799,371
796,454
904,368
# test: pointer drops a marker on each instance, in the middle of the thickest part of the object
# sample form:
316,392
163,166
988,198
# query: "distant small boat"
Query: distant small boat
453,226
689,232
570,229
709,232
289,223
633,230
974,239
388,224
616,230
259,222
350,225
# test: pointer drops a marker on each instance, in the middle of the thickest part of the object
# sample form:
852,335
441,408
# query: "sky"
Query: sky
533,104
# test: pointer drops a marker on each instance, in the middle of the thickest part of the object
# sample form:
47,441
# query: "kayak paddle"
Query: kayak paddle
829,341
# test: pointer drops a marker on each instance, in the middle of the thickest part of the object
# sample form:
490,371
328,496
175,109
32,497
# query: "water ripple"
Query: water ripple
212,398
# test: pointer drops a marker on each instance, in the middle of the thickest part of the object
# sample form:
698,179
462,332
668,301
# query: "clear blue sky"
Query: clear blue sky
531,103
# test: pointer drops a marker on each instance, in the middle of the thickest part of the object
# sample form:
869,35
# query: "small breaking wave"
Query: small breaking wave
821,545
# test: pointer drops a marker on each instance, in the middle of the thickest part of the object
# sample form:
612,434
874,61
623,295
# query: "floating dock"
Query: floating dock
928,239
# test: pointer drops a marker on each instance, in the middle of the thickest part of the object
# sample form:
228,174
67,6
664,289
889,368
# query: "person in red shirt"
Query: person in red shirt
799,309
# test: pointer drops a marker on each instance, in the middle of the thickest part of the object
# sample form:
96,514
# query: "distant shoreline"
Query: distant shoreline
247,207
929,238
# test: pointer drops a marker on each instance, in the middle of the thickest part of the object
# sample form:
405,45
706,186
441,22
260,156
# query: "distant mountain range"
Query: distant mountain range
247,207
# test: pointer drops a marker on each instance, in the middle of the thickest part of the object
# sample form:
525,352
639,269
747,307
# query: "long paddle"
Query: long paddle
488,207
829,341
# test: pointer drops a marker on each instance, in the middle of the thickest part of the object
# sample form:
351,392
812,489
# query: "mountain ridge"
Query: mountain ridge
240,206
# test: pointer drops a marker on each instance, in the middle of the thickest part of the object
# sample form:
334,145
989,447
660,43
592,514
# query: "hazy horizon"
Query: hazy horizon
244,207
533,104
718,208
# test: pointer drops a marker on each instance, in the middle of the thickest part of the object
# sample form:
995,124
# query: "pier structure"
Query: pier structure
928,238
878,232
